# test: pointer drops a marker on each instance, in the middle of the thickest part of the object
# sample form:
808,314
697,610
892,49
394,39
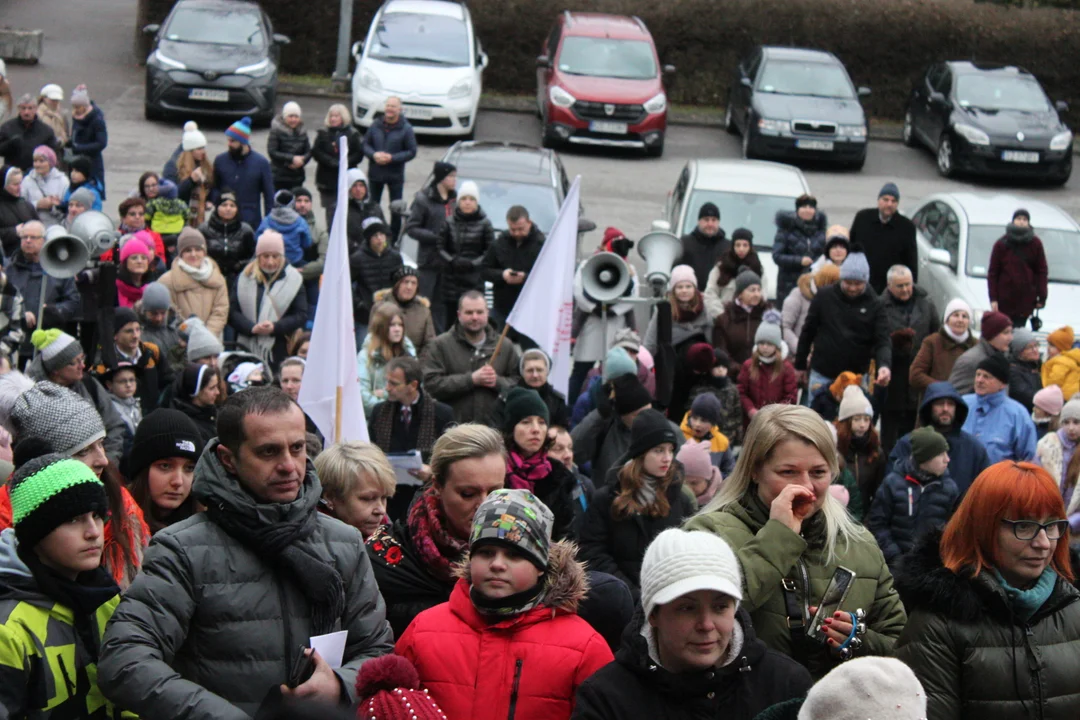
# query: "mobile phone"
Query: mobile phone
834,597
303,667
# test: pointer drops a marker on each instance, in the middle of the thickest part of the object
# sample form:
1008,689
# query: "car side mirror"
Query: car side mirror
280,39
669,69
482,60
937,97
357,49
151,29
746,82
1061,106
585,225
940,257
543,61
863,91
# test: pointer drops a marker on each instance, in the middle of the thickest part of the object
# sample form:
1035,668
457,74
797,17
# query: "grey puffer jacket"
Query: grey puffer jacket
209,626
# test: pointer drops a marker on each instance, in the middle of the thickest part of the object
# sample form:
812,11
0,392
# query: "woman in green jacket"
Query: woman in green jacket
995,622
790,535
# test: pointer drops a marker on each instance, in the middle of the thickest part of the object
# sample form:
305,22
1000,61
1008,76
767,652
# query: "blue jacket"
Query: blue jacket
250,179
90,137
91,185
904,509
1002,425
967,456
396,139
795,240
293,228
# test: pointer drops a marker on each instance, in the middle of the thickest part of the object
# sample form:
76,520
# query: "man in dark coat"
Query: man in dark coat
388,144
887,238
430,209
911,316
510,259
1025,367
23,270
245,172
702,247
20,135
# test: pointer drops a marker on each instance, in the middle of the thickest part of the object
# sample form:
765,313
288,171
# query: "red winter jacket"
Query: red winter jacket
1017,276
756,394
526,666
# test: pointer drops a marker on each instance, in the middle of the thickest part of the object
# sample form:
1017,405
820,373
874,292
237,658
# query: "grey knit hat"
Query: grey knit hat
66,421
855,268
1022,337
82,197
745,279
155,297
768,332
201,343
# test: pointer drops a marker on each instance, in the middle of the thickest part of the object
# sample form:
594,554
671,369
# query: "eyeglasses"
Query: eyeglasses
1029,529
33,237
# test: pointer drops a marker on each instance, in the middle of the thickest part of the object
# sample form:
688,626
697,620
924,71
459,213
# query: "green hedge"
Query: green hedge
886,45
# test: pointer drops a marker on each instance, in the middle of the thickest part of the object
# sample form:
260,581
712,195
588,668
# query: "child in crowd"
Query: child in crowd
357,481
702,477
122,382
1046,410
715,379
858,443
509,643
700,424
167,215
766,377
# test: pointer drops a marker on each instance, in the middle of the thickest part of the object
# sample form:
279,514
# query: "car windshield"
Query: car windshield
756,213
419,38
498,196
1062,248
607,57
814,79
218,27
996,92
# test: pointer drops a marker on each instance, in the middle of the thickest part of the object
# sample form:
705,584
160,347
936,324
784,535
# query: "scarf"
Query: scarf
515,604
645,495
127,293
730,264
1025,603
1017,235
276,298
200,274
438,549
767,360
524,473
386,414
129,409
956,338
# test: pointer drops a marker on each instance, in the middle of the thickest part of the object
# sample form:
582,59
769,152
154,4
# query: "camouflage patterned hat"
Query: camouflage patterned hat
515,519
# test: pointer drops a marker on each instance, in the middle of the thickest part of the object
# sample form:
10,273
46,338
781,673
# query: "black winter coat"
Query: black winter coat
427,217
1025,379
406,585
974,657
90,137
294,317
325,152
557,492
283,144
920,315
885,245
354,225
18,140
903,510
845,333
230,244
370,272
702,253
506,254
636,687
463,243
796,239
14,211
205,418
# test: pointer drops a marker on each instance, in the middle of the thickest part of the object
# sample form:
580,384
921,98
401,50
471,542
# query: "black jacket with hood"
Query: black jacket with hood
506,253
845,333
282,146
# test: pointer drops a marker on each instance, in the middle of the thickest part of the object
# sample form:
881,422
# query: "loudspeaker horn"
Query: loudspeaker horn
605,277
659,249
96,231
63,255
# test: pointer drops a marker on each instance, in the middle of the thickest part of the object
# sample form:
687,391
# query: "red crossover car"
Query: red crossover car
598,82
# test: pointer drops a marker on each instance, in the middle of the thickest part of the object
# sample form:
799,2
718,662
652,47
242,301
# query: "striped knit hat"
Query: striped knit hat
50,490
240,131
57,348
65,420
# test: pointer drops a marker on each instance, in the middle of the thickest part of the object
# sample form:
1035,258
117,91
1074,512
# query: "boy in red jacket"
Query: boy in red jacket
509,642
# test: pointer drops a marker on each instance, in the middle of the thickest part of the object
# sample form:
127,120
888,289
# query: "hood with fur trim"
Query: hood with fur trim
388,294
788,220
565,581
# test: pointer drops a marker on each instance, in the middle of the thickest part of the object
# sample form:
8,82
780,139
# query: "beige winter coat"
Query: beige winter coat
208,300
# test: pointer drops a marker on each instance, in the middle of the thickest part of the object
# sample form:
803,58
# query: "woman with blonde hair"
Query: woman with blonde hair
385,340
194,172
326,151
791,536
357,483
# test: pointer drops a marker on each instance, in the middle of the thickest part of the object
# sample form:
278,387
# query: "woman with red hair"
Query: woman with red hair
994,617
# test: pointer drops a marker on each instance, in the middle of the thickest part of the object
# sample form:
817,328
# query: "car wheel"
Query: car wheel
946,162
909,132
152,113
729,120
1063,176
747,149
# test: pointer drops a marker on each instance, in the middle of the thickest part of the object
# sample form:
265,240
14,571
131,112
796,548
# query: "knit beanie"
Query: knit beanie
189,238
135,246
1050,400
270,241
123,316
291,108
51,490
401,273
927,443
373,225
283,198
867,687
993,324
1021,212
82,197
629,394
156,297
682,273
838,233
515,519
955,305
533,354
1022,337
164,433
64,419
650,429
745,279
201,343
388,688
890,188
996,365
1071,411
854,403
743,234
855,268
469,189
46,152
617,362
240,131
700,358
12,385
192,139
522,403
82,164
709,210
57,348
768,332
695,459
842,381
829,274
355,175
441,171
1062,338
629,339
707,407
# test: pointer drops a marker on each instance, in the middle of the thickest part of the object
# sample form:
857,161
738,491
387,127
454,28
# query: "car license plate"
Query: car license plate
412,112
1019,156
826,145
211,95
611,128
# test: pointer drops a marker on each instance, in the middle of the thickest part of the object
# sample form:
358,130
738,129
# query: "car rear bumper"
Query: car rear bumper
987,160
642,129
843,149
428,115
170,91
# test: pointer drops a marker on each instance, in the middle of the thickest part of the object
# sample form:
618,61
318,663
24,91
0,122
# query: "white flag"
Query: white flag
545,308
330,393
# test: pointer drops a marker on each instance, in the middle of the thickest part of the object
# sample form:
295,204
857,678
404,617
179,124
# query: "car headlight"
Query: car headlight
656,104
370,81
973,135
1061,141
774,126
851,131
560,98
168,61
461,89
257,70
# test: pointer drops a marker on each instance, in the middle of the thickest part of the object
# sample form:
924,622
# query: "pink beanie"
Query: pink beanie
682,273
1050,400
695,459
136,246
270,241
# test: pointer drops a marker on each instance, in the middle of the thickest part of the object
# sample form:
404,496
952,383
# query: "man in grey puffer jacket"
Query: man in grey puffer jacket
227,597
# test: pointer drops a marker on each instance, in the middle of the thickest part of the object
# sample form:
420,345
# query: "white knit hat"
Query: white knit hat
954,305
291,108
854,403
355,175
870,687
192,139
469,189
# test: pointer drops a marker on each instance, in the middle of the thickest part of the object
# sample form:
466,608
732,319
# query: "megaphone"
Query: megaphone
63,255
96,231
605,277
659,249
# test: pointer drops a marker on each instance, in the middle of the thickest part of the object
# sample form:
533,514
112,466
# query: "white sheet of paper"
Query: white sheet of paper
331,647
403,463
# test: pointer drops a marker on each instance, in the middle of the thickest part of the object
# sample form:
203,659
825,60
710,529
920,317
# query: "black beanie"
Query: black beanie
401,273
301,191
164,433
122,316
48,491
1024,212
742,234
83,165
522,403
442,169
650,429
709,210
629,394
996,365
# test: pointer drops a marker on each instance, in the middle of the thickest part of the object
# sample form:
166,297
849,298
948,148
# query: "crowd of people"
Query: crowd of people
830,500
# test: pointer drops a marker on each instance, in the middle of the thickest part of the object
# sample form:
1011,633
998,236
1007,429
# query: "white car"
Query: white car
956,232
748,193
425,52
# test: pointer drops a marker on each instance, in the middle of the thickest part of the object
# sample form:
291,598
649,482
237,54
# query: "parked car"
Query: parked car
748,193
956,233
213,57
425,52
798,104
989,120
599,82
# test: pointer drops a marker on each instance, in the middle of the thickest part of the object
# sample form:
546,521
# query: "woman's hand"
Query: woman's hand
792,506
837,629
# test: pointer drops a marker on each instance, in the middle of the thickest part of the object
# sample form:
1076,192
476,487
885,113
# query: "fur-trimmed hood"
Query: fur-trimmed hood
807,286
565,581
787,220
387,294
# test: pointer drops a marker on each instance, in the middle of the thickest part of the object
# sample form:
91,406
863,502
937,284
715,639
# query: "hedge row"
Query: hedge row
886,45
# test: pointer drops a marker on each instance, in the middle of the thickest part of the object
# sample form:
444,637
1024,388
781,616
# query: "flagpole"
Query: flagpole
498,345
337,414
